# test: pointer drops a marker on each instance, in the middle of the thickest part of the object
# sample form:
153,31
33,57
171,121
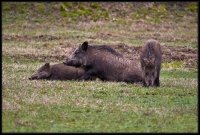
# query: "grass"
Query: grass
93,106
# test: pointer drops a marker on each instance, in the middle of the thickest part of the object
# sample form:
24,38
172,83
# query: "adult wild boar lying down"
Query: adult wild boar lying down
58,72
105,63
150,60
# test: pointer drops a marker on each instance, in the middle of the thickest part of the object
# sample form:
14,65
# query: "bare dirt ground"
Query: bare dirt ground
169,54
64,49
188,55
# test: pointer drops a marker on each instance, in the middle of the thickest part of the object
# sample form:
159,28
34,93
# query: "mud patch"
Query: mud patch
35,57
104,36
185,54
65,49
29,38
188,55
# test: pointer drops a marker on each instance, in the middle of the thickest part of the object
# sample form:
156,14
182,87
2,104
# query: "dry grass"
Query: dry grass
30,39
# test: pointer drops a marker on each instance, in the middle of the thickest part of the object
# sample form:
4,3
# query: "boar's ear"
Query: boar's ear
84,46
47,65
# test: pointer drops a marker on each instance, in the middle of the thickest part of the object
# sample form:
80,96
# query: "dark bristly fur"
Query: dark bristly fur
108,49
105,63
58,72
150,60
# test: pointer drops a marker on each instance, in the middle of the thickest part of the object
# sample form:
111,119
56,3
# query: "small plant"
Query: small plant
192,7
173,64
78,11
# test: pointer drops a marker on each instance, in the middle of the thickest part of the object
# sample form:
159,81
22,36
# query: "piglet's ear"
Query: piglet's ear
46,64
84,46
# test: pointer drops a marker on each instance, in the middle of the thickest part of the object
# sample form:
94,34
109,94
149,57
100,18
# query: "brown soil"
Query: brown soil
185,54
188,55
27,38
62,52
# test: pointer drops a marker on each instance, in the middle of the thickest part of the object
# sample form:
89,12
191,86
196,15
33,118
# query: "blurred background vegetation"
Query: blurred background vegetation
151,12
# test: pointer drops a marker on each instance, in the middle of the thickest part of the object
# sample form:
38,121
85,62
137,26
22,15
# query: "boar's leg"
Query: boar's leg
144,83
157,82
88,74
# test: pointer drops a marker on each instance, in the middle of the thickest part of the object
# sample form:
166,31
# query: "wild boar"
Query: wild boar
58,72
105,63
150,60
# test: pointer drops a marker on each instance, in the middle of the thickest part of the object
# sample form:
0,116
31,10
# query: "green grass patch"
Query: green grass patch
86,119
74,11
95,106
35,33
173,64
175,73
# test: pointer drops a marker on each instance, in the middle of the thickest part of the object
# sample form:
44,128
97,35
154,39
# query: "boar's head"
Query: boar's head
149,71
79,57
42,73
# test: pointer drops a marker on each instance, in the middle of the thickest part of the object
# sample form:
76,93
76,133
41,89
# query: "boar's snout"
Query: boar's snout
69,63
33,77
72,63
149,83
65,62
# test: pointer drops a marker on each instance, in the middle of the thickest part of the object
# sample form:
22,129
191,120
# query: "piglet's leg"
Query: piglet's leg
88,74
